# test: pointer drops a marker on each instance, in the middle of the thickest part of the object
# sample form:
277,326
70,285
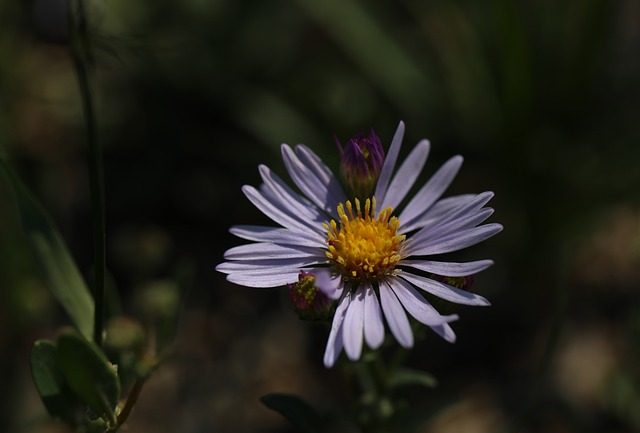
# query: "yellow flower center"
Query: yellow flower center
364,247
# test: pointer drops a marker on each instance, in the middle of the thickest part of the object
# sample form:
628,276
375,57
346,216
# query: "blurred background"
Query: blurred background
541,98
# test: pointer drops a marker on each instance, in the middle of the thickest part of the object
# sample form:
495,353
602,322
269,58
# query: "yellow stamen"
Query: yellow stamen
364,247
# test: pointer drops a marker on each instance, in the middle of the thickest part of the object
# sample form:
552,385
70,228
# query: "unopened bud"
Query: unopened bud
309,302
362,160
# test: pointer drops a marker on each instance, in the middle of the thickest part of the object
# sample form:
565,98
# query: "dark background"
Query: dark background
541,98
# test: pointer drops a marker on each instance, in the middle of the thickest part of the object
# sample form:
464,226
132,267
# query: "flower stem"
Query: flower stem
373,405
81,55
131,401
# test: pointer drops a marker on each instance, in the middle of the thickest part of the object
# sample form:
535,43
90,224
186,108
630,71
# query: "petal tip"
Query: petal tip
329,360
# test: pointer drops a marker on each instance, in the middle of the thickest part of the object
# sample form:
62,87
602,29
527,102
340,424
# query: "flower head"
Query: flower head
364,254
362,160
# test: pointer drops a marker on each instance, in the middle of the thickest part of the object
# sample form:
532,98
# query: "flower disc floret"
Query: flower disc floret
364,247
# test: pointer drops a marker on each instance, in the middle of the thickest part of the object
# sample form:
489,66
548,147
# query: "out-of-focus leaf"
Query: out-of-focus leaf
405,376
124,346
124,334
159,303
370,42
294,409
60,270
50,382
89,373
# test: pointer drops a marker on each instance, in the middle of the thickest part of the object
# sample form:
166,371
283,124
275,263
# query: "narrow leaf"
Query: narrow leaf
89,373
60,271
294,409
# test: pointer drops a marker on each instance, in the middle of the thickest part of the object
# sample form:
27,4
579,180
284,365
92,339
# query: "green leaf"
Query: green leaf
89,373
60,271
294,409
406,376
60,402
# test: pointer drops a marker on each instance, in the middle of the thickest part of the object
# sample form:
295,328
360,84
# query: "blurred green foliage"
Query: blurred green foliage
540,98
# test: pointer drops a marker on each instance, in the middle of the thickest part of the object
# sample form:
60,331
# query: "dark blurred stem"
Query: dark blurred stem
560,307
132,398
540,379
81,55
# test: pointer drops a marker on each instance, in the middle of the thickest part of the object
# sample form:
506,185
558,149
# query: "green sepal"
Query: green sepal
58,399
60,270
89,373
406,376
297,411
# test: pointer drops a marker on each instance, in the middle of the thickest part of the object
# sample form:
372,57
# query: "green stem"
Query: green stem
374,406
81,56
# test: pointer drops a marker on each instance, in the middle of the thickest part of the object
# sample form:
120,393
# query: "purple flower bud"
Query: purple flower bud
362,160
309,302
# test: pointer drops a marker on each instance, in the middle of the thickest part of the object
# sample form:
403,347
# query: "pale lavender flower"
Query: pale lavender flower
372,262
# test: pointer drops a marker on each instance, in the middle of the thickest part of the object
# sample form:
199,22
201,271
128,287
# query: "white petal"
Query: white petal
389,164
396,316
449,269
456,241
274,211
441,228
417,305
274,280
315,164
335,193
445,331
256,271
328,282
335,342
293,204
446,204
432,234
265,250
353,327
444,291
439,208
316,189
258,265
373,325
431,191
467,215
406,175
465,209
278,235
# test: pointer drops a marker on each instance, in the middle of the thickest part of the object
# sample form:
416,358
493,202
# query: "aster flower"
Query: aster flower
364,254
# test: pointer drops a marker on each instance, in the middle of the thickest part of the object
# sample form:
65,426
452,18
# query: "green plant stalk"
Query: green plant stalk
81,56
372,394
